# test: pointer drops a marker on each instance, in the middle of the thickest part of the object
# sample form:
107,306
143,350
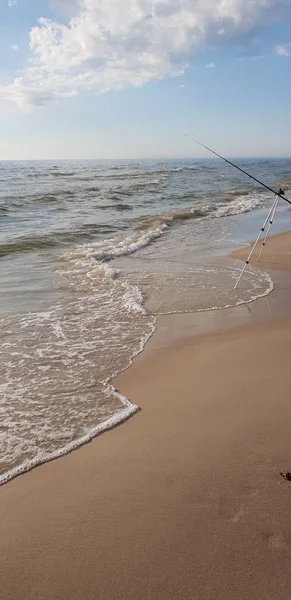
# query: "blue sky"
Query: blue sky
128,78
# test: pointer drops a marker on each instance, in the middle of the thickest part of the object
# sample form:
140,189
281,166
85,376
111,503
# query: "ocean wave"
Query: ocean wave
237,192
135,185
117,206
132,302
150,225
122,207
104,251
26,244
42,174
46,198
115,197
77,332
36,175
149,182
170,217
95,228
188,168
60,238
188,196
116,194
239,205
133,299
116,176
62,174
130,244
127,175
22,200
61,192
86,177
149,228
94,188
119,417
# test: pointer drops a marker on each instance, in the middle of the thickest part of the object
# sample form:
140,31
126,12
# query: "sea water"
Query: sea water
90,254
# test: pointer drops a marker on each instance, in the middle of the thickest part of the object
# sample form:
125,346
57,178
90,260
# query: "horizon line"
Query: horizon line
162,158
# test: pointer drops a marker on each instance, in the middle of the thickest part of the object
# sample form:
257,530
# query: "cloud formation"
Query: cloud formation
12,3
14,47
109,44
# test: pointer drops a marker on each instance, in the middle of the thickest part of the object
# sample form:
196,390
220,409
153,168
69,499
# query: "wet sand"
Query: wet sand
185,500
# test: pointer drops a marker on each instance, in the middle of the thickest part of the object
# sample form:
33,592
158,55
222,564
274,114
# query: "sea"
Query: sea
91,253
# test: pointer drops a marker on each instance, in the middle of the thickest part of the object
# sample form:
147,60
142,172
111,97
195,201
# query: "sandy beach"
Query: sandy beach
185,500
276,254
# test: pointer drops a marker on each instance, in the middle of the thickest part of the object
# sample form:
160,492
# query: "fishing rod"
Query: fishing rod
271,214
279,194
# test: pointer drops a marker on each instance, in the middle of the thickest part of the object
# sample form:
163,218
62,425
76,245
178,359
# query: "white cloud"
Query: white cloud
109,44
12,3
24,96
14,47
210,66
283,50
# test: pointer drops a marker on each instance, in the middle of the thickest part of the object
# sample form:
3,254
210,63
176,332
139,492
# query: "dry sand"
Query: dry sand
276,254
185,500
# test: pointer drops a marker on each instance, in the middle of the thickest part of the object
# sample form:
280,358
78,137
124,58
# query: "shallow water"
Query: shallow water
90,254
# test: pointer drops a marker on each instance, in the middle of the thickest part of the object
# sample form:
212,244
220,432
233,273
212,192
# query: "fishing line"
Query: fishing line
271,214
240,169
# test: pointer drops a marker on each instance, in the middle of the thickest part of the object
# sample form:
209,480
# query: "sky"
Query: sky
128,78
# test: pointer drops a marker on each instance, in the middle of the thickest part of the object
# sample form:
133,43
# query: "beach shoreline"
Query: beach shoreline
185,500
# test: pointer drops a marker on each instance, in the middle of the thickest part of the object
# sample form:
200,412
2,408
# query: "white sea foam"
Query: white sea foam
257,285
153,227
58,393
59,363
115,248
44,457
133,299
128,410
239,205
61,347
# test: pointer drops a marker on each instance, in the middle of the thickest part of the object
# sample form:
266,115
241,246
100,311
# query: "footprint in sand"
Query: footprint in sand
237,517
275,540
231,509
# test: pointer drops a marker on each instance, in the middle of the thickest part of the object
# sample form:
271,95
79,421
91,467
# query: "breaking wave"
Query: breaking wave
151,227
54,239
60,359
241,204
170,217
